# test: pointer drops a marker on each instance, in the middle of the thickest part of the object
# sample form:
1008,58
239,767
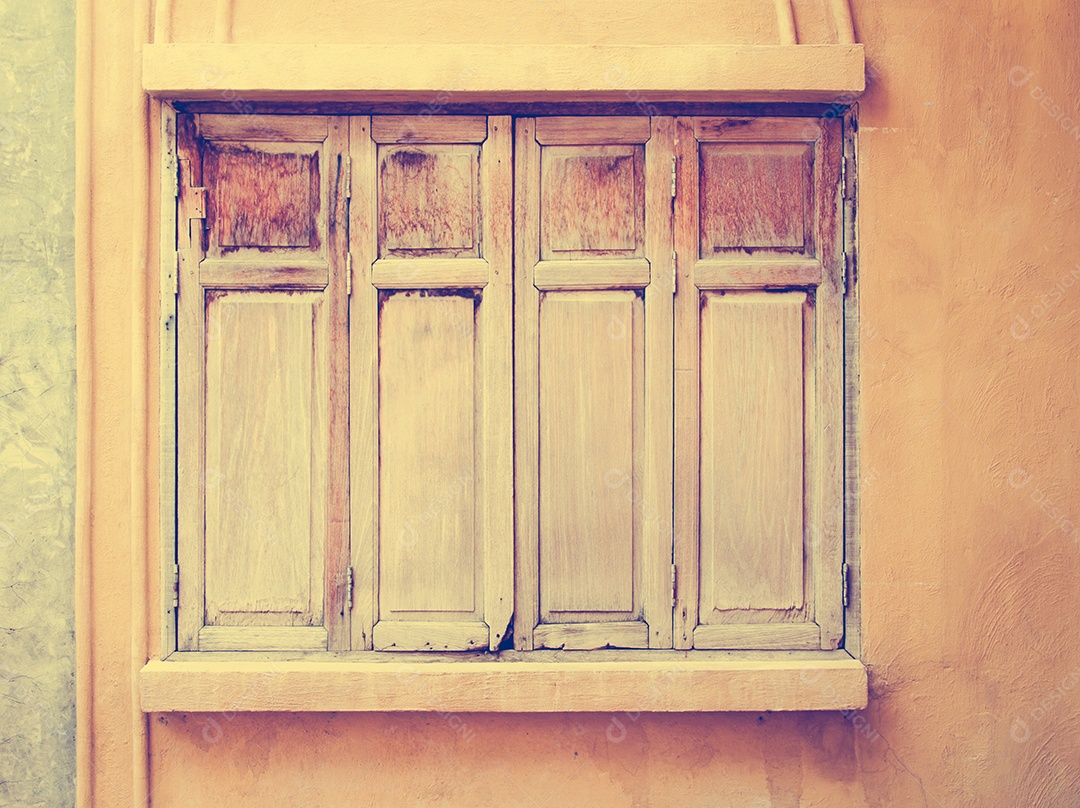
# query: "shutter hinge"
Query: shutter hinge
197,210
674,176
674,271
176,586
847,173
348,588
175,279
844,573
348,274
674,582
348,177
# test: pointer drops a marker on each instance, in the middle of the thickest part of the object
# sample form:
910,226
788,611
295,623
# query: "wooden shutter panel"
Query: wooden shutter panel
262,363
593,337
759,384
432,382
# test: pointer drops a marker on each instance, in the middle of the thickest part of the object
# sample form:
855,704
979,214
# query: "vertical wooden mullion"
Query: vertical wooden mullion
191,391
656,502
687,430
497,394
829,424
337,517
167,403
526,382
363,382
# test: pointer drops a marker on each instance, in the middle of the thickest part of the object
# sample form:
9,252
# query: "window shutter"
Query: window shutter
262,352
432,382
593,336
759,384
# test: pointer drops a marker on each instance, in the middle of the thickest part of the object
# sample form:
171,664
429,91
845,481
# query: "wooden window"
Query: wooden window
432,382
262,430
759,384
593,383
440,378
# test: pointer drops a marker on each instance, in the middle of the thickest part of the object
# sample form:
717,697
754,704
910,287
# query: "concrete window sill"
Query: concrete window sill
510,683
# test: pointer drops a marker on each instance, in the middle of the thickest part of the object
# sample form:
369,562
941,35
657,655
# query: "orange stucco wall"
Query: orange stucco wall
969,260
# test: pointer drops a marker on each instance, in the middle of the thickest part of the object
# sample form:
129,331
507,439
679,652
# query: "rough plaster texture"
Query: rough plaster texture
37,403
971,463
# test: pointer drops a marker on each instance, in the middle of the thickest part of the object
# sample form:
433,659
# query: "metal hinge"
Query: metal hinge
348,178
674,270
844,572
197,210
348,274
175,280
674,581
847,173
674,176
348,588
176,586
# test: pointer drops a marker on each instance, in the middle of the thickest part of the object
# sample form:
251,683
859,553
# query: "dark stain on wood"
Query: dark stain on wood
428,202
262,200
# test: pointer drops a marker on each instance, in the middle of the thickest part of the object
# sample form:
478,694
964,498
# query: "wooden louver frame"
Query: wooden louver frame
662,274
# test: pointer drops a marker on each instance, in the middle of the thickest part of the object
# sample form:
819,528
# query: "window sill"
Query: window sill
672,682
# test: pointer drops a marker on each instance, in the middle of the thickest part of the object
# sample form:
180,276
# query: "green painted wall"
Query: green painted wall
37,403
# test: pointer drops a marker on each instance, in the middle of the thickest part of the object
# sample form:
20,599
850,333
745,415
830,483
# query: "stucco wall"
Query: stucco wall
37,403
970,425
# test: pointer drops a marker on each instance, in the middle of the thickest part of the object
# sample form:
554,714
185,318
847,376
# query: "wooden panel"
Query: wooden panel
590,366
598,130
751,452
274,128
431,129
427,536
658,427
496,494
216,273
260,375
593,362
761,636
440,554
592,273
191,389
755,130
430,273
262,638
266,382
393,635
591,636
716,273
429,200
263,195
168,267
363,382
593,201
526,383
753,195
687,420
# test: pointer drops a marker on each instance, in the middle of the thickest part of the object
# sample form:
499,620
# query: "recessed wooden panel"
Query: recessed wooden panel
589,362
428,200
266,366
427,472
753,195
752,404
593,201
262,196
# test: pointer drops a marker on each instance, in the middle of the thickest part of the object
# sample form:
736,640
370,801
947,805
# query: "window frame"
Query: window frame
168,387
